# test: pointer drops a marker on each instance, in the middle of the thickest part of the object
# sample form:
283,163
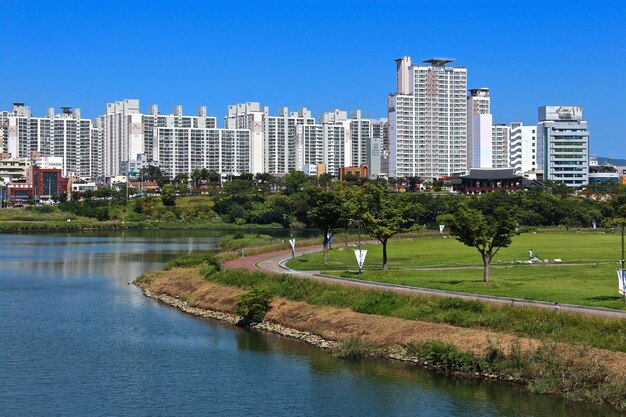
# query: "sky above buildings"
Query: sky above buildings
316,54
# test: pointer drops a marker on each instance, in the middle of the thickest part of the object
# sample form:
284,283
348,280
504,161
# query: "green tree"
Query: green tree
168,195
153,173
295,182
486,233
381,212
325,210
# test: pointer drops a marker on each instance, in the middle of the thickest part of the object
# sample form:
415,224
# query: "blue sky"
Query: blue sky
315,54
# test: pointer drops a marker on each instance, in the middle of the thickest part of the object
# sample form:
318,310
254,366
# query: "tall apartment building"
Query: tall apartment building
181,150
500,146
523,148
380,134
480,132
65,135
563,145
252,117
428,119
293,141
360,140
278,133
129,135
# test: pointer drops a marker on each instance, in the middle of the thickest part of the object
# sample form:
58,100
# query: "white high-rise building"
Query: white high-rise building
563,145
523,148
480,132
181,150
129,135
380,134
65,135
250,116
360,139
278,134
500,146
428,119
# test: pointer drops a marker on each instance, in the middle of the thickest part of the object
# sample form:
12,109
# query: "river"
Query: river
77,340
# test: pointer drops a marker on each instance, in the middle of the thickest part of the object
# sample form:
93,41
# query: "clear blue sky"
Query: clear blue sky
316,54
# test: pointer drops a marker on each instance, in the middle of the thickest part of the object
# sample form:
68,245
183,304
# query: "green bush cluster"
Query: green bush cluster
252,306
354,349
241,240
544,370
208,261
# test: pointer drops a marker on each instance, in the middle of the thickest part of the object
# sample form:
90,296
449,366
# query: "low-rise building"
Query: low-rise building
360,172
39,184
485,180
603,174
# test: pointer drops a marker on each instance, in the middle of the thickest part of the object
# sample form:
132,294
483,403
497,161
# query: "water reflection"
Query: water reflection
77,339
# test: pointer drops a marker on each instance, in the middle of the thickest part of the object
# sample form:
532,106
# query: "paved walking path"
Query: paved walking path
275,262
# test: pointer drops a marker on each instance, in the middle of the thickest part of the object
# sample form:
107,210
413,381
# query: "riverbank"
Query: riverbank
77,225
574,371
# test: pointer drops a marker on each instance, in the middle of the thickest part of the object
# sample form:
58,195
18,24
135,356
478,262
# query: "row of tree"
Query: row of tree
486,222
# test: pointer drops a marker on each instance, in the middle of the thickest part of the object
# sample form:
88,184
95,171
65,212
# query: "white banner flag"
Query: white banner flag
360,256
595,225
292,242
441,227
621,276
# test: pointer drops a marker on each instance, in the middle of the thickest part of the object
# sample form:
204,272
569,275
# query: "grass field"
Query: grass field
592,281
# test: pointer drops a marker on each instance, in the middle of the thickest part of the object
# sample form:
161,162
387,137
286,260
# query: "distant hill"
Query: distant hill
612,161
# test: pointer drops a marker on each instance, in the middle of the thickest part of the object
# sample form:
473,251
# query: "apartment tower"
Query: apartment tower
428,119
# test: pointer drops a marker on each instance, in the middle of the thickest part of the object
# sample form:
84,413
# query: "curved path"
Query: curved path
275,262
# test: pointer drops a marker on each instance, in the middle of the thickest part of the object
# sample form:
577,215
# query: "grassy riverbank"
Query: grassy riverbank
446,264
547,352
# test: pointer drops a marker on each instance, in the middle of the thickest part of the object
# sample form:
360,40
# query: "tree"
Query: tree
381,212
152,173
295,182
326,210
168,195
487,233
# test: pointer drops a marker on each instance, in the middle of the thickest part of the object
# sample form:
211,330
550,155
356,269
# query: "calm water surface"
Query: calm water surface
77,340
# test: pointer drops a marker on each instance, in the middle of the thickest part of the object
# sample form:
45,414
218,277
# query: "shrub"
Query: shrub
446,355
354,349
193,259
252,306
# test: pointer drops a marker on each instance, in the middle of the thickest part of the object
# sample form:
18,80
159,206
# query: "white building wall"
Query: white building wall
523,147
500,146
563,145
428,126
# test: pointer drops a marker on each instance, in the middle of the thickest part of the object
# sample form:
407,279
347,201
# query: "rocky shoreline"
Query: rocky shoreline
309,338
266,326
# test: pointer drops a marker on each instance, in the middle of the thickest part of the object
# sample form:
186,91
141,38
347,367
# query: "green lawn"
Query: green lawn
594,285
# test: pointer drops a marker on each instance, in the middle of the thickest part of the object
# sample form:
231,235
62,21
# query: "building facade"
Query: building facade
64,135
479,129
523,148
428,119
500,146
563,145
128,136
181,150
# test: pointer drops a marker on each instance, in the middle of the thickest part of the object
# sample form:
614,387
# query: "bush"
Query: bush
252,306
447,356
193,259
354,349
